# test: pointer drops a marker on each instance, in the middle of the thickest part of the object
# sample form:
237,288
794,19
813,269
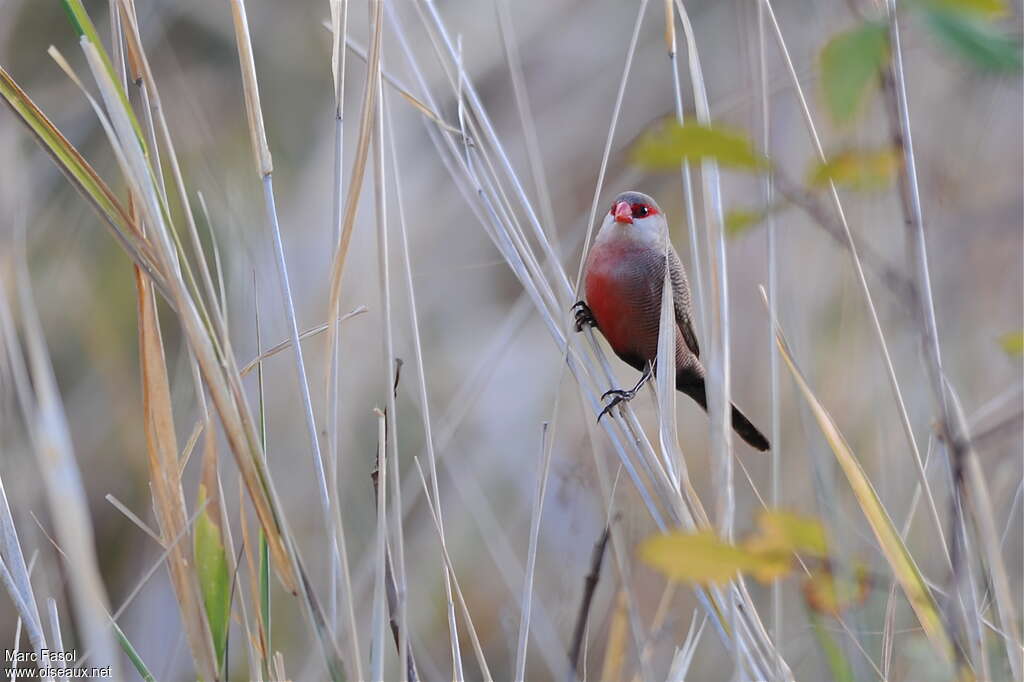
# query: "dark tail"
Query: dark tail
694,387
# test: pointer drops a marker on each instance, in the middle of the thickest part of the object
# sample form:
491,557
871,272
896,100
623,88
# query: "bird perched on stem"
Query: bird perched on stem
623,281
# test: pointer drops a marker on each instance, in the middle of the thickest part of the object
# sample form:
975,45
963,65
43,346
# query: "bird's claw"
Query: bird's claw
583,315
618,396
622,394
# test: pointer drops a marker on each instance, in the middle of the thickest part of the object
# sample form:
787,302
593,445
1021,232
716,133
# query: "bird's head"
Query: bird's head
636,214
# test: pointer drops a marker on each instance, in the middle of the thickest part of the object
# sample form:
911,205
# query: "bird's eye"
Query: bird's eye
612,209
640,210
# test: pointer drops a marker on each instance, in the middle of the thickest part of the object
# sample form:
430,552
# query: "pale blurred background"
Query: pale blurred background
968,137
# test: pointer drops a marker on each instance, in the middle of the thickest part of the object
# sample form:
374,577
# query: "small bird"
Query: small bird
623,281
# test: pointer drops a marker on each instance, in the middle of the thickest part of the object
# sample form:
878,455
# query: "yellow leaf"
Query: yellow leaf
1013,343
985,8
860,169
705,558
738,221
670,144
786,532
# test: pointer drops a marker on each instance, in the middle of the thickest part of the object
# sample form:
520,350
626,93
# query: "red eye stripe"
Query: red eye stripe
643,210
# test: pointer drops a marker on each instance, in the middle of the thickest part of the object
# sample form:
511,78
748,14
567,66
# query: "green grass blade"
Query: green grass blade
264,549
132,654
214,578
67,158
87,30
81,175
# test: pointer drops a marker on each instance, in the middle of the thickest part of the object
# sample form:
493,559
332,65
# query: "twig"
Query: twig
894,280
589,589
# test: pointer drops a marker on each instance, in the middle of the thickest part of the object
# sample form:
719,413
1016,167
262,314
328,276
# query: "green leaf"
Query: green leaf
706,559
738,221
859,169
850,65
214,577
670,144
987,8
1013,343
784,531
980,42
64,154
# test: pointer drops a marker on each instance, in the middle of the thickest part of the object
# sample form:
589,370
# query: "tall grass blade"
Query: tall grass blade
212,569
168,497
903,566
133,655
526,599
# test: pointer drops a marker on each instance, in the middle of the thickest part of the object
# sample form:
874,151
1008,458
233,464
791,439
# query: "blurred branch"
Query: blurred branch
589,588
894,280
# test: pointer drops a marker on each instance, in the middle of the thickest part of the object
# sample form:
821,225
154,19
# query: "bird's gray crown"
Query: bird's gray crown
632,197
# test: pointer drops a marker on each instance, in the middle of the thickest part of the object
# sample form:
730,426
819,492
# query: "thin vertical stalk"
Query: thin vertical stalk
264,551
422,387
265,168
685,175
531,553
474,638
952,432
380,555
264,164
339,31
300,365
768,196
384,274
718,365
981,503
914,216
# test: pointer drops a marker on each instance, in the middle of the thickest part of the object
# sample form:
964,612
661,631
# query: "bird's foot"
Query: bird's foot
618,395
584,315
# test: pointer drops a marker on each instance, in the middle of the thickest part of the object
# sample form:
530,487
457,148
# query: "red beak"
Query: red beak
623,213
